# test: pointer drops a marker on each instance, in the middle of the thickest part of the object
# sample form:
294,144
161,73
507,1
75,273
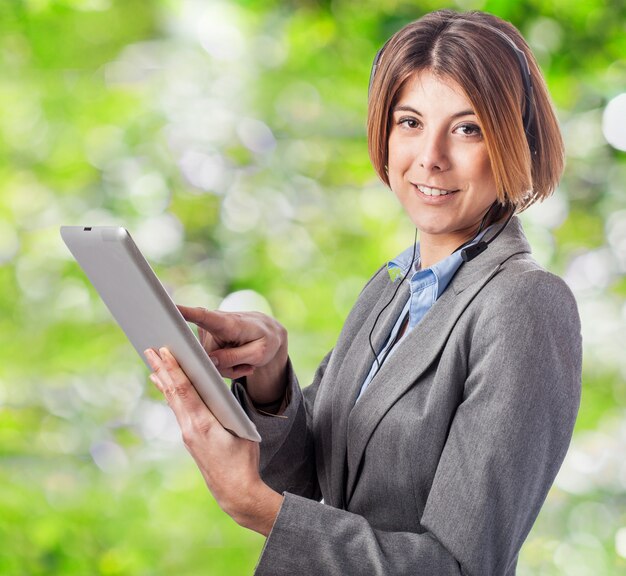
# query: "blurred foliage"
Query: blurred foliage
229,138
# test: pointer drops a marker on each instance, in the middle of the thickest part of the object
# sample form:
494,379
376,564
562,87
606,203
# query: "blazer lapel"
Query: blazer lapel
357,361
417,351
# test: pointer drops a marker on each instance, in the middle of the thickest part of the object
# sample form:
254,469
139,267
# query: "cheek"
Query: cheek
395,176
398,161
482,168
477,169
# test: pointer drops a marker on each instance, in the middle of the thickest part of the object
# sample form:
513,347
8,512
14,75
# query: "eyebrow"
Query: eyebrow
418,113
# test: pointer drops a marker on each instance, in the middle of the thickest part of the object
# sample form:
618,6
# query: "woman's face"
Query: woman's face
438,163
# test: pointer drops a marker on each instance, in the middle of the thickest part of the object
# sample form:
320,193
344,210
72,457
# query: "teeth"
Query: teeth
432,191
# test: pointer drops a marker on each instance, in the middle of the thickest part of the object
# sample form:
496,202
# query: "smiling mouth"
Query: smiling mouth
426,190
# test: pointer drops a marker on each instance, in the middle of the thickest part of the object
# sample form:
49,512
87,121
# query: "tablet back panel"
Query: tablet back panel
144,310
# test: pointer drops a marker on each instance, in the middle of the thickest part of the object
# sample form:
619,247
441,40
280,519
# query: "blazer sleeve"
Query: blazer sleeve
505,445
287,447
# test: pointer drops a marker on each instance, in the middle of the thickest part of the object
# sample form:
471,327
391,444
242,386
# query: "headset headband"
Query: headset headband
527,117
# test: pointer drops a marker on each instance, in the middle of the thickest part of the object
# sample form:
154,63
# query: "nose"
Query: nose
433,154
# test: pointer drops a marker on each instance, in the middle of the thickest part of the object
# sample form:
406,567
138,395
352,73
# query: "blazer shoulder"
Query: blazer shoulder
525,280
377,278
524,292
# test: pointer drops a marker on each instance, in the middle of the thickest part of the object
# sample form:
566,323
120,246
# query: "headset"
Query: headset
470,252
528,115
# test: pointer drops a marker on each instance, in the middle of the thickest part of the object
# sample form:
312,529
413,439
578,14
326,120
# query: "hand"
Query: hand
229,465
247,344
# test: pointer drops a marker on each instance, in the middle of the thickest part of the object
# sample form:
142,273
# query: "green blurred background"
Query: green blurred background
229,138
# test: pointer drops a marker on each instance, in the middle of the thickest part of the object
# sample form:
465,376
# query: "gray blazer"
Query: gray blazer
443,464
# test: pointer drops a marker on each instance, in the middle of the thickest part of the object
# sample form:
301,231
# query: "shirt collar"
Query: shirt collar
398,267
444,270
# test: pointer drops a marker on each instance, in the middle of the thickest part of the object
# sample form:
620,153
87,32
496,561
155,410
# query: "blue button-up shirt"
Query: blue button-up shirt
425,285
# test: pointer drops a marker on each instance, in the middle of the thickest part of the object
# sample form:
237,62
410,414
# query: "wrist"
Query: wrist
267,384
260,509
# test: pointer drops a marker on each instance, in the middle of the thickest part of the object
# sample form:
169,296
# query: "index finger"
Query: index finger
207,319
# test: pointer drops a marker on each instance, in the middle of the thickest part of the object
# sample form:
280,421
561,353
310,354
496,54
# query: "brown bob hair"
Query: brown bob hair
465,48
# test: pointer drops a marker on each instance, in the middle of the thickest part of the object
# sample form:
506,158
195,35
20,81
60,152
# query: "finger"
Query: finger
155,380
150,353
238,371
208,319
252,353
194,417
160,376
195,315
207,340
176,383
178,390
152,356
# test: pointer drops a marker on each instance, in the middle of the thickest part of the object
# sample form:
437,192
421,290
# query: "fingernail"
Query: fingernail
215,361
155,379
149,354
164,352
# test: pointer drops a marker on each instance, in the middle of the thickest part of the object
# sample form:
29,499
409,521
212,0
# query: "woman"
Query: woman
435,428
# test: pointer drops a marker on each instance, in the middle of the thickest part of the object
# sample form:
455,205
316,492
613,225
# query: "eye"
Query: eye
408,122
469,130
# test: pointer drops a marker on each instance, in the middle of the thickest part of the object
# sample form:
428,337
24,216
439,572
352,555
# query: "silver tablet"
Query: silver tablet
148,316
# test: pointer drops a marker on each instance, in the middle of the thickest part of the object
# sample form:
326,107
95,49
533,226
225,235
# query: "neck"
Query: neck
433,249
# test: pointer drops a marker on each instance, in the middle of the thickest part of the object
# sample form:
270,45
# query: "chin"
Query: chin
433,226
446,231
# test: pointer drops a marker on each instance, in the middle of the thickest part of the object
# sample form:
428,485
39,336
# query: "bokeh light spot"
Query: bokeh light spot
614,122
244,301
9,242
620,542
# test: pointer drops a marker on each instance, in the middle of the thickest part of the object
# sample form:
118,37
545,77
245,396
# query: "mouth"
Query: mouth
428,191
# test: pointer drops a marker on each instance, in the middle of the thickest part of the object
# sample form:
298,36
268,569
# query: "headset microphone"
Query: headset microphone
474,250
